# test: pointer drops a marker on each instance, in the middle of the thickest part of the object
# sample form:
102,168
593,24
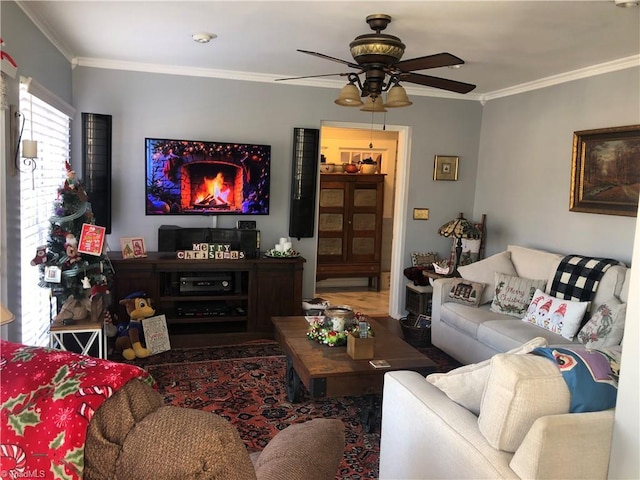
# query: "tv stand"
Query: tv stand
202,299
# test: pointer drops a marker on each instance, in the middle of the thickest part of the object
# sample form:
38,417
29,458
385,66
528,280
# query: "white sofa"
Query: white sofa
425,435
463,429
472,334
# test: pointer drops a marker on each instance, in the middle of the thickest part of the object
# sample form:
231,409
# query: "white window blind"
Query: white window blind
38,190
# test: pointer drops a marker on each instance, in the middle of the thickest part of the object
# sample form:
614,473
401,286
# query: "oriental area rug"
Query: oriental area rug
246,385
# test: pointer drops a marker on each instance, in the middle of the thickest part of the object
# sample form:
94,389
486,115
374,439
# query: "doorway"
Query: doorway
352,138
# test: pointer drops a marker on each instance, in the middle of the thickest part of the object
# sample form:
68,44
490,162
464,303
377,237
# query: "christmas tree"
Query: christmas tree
63,269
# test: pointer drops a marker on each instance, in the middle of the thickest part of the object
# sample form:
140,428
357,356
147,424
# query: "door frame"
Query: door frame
401,200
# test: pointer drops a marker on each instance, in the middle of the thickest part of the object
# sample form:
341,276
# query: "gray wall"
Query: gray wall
38,58
524,168
173,106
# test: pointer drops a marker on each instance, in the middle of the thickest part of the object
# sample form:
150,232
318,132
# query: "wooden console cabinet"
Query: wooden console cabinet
209,297
350,226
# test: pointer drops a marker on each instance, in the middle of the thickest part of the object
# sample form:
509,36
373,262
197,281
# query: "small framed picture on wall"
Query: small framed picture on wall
445,167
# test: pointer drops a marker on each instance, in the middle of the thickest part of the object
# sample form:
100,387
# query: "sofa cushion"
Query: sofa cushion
465,318
520,389
466,384
614,282
484,272
591,375
606,326
466,292
513,294
555,314
504,334
534,263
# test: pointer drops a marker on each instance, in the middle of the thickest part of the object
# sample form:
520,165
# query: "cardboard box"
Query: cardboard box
360,348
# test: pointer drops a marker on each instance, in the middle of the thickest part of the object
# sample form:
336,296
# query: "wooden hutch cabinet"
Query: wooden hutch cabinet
205,298
350,226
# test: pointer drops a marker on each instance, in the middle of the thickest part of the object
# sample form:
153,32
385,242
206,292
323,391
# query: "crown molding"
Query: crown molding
612,66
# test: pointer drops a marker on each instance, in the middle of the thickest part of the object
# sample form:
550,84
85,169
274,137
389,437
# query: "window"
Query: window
39,183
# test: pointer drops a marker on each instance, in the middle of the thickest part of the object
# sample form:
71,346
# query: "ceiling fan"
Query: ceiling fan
378,55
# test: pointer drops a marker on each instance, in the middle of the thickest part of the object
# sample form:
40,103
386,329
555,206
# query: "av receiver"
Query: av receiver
211,283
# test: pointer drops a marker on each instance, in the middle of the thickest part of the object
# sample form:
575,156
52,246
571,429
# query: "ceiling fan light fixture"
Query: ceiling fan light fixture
349,96
397,97
372,104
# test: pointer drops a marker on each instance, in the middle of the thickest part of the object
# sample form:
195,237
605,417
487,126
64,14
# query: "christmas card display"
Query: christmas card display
133,247
156,334
91,239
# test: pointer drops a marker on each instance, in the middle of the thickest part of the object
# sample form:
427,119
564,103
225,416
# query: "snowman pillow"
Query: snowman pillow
556,314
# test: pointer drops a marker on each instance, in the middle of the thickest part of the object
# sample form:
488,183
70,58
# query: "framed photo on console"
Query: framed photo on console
133,247
605,172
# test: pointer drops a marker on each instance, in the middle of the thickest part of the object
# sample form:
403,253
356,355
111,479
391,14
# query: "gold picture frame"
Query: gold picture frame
605,172
445,167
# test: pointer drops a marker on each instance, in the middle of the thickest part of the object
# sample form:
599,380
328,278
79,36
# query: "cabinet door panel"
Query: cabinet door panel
332,197
330,246
365,197
364,221
330,222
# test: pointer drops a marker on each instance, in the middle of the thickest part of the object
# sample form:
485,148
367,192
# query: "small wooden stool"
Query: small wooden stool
58,330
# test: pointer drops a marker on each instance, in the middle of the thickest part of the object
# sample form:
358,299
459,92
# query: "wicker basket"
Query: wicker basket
415,336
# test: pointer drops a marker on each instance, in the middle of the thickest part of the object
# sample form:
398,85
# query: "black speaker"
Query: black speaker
304,176
96,165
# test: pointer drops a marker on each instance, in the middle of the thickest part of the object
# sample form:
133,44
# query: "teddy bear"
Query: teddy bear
129,333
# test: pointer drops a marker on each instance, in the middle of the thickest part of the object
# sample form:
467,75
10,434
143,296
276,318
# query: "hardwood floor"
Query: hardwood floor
360,299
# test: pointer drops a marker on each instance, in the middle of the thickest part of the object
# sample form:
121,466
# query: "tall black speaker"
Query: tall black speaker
96,165
304,176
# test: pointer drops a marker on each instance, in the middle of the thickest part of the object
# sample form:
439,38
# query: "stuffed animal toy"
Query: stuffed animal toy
129,336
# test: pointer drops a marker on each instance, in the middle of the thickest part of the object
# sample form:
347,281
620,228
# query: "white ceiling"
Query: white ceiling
507,45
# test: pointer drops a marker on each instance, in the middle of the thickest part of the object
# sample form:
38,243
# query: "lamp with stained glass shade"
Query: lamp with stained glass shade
459,228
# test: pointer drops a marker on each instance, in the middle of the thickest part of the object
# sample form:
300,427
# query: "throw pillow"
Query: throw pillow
520,389
466,292
513,294
484,271
606,326
423,259
555,314
466,384
591,375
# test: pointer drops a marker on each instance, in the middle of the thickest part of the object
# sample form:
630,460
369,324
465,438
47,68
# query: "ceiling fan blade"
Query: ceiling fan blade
313,76
437,82
430,61
333,59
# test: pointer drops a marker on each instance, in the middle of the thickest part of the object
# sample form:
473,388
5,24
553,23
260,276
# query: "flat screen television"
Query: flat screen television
186,177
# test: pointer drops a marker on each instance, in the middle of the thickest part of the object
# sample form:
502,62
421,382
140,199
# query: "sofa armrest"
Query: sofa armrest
573,445
426,435
441,287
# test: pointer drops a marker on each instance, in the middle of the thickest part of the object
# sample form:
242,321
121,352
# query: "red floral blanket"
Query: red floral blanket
47,399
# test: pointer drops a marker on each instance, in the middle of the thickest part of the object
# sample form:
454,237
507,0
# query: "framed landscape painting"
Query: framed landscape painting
605,171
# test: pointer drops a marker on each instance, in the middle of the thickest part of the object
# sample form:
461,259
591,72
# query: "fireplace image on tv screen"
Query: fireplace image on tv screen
185,177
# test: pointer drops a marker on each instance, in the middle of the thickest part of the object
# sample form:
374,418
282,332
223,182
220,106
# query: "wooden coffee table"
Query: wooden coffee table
329,372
